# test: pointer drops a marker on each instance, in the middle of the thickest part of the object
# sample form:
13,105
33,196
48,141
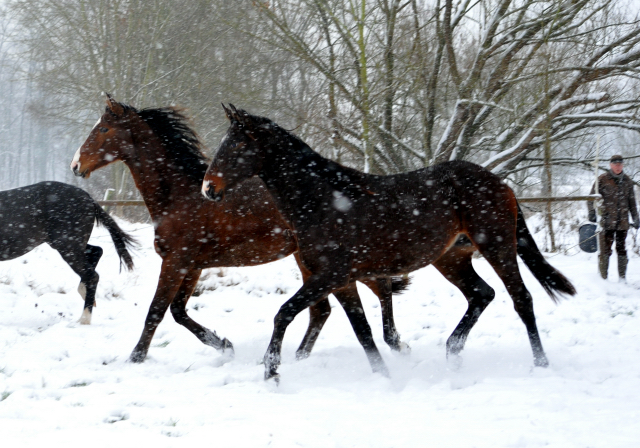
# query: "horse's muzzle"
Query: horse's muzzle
208,191
76,171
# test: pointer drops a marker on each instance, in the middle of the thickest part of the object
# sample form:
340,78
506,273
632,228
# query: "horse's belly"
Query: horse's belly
403,250
11,248
250,252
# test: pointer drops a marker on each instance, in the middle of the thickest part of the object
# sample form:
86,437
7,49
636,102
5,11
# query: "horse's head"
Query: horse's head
109,140
238,157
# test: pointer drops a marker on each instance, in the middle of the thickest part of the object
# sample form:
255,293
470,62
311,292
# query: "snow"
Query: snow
70,385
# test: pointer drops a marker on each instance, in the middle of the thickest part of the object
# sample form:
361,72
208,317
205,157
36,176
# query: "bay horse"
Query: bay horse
62,216
351,225
165,158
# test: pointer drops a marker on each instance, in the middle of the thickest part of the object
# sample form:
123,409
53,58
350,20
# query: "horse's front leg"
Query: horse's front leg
350,301
172,274
315,289
179,312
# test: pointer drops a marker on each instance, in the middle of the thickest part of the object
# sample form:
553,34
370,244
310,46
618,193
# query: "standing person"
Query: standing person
618,200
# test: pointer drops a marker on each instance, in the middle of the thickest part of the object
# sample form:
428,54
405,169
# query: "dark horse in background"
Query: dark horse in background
350,225
164,156
62,216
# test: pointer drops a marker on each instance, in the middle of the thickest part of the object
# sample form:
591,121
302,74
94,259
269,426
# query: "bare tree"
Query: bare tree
146,53
490,81
385,85
352,49
596,50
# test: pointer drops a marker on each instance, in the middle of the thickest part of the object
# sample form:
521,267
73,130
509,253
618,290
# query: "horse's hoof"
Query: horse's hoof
85,319
454,361
404,348
227,348
302,354
137,357
541,362
381,368
272,375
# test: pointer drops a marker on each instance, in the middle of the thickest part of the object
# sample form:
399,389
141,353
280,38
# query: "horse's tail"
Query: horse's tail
121,239
549,277
400,284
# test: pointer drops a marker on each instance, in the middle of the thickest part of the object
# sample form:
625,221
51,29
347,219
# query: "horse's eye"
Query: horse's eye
103,130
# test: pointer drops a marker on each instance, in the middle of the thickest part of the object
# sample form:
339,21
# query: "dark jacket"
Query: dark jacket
618,200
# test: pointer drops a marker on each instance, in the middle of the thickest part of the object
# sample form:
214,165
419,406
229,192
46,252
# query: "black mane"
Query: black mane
341,177
182,143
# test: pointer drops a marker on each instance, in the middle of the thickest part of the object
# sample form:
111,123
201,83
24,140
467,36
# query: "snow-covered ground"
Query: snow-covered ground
63,384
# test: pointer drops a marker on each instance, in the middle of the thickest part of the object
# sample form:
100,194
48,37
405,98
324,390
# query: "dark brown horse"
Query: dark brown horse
164,156
350,225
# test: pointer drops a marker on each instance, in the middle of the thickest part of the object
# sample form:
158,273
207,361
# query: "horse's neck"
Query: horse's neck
293,180
161,184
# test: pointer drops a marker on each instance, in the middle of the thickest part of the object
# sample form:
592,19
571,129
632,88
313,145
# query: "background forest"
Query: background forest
525,88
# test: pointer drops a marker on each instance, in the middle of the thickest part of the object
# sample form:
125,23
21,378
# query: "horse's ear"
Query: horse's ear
234,113
227,112
241,116
113,106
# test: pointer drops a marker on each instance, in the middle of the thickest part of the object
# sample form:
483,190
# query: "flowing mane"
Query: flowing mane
181,142
341,177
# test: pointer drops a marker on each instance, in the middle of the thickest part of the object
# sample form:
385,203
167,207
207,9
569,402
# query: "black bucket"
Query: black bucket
588,238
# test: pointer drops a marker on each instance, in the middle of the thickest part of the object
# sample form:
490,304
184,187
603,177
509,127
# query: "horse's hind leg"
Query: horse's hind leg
92,257
456,267
179,313
502,257
77,257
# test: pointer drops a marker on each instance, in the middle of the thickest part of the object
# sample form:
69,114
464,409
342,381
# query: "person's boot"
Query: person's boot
603,264
622,267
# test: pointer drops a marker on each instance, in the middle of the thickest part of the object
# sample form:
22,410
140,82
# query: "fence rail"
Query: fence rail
561,199
138,203
118,202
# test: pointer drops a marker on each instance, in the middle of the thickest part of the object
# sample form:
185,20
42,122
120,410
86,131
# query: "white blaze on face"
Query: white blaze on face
205,187
75,163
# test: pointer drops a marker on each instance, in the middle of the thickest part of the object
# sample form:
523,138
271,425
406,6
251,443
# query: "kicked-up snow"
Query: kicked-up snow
65,384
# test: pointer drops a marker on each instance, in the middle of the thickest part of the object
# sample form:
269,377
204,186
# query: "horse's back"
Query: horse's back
68,211
42,213
461,180
21,226
486,206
